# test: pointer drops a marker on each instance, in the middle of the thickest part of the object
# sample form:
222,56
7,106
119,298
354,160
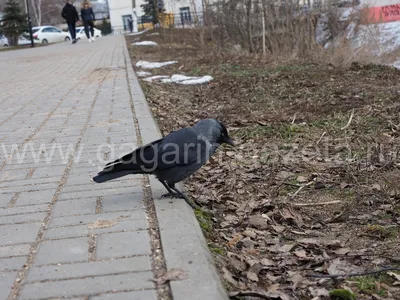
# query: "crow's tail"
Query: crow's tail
116,171
136,162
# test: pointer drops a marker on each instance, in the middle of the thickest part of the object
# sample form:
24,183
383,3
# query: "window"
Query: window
55,30
185,15
47,29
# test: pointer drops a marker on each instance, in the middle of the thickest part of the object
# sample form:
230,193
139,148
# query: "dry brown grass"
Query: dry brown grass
287,117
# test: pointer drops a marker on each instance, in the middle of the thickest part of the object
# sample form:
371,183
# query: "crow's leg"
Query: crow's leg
167,187
170,193
182,195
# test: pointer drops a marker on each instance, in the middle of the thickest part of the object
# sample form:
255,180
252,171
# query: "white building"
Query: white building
120,13
178,7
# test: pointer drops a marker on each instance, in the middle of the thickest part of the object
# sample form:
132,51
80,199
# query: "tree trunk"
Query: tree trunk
250,35
37,11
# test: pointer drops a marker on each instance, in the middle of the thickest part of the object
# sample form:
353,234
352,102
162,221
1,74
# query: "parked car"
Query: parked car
49,34
80,33
3,41
25,40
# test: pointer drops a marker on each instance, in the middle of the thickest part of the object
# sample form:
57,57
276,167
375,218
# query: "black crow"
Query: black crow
172,158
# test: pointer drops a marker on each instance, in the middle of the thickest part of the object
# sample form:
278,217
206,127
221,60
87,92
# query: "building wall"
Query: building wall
137,7
175,6
119,8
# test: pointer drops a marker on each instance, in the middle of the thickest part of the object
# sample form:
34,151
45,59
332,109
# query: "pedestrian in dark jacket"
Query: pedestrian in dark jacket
70,14
87,15
130,22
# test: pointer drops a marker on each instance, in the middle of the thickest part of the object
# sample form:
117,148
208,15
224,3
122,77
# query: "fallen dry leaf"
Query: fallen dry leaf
236,239
300,253
395,276
342,251
252,276
101,224
229,277
171,275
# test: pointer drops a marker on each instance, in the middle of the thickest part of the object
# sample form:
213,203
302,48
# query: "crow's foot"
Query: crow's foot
180,196
173,195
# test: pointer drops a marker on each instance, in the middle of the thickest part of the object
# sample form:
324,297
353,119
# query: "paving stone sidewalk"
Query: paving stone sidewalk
66,110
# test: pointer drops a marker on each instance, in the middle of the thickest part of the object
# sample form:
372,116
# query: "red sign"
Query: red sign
382,14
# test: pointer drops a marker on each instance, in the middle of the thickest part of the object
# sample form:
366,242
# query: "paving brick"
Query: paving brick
7,185
62,251
75,207
15,250
48,172
15,219
136,295
24,209
123,244
81,231
5,199
6,282
101,192
94,285
36,197
87,219
134,264
18,234
13,175
122,202
33,188
12,263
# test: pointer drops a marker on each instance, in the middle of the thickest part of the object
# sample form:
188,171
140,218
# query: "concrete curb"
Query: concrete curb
182,240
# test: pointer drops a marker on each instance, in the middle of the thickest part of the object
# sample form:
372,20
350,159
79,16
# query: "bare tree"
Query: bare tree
37,11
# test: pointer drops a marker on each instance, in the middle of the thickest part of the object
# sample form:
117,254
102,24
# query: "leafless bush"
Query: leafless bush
278,30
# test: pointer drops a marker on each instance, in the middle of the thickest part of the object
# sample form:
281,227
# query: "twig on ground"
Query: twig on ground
262,295
355,274
300,188
322,136
317,203
294,118
349,122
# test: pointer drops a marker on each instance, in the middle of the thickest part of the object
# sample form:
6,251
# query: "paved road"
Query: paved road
61,235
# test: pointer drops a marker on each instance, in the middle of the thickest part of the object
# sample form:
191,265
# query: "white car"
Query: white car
3,41
49,34
80,33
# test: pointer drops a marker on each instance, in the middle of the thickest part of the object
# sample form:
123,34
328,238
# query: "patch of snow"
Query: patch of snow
351,31
396,64
178,78
187,80
137,33
322,32
143,74
200,80
347,13
386,35
145,43
152,65
152,78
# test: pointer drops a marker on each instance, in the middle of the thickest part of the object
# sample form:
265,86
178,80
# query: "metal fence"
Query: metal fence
186,19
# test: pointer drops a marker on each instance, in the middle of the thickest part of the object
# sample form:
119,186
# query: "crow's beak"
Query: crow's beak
228,140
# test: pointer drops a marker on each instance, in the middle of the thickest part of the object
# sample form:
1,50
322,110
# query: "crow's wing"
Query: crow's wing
182,148
139,156
179,148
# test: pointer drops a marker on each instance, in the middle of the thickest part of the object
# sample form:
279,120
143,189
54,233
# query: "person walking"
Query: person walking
87,15
70,14
130,22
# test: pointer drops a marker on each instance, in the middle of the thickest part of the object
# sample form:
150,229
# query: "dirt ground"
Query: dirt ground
312,188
